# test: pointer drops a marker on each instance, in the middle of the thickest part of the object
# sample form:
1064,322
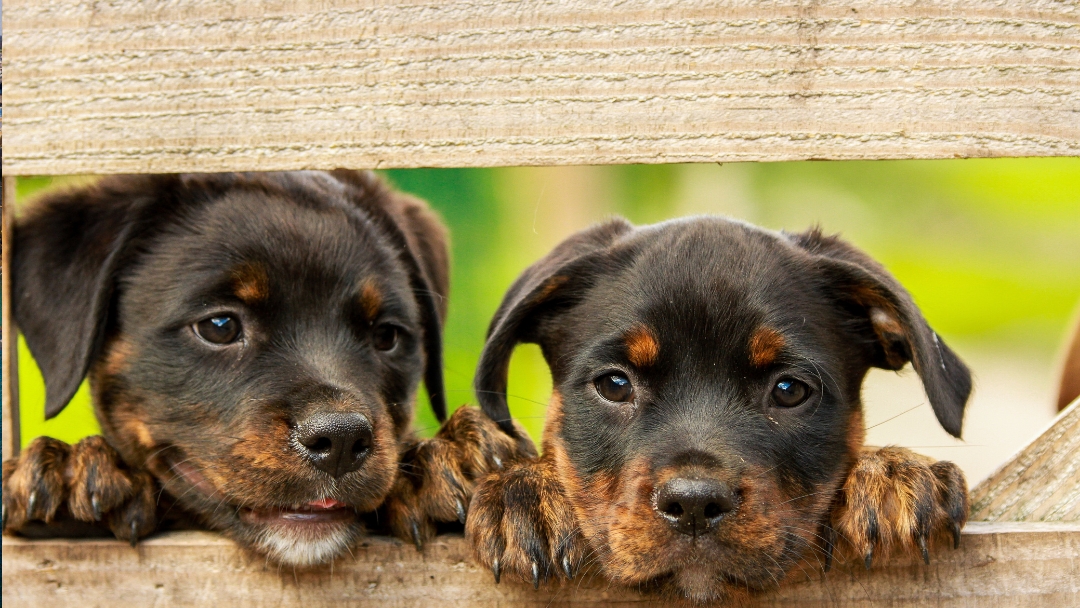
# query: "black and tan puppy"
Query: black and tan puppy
705,435
254,344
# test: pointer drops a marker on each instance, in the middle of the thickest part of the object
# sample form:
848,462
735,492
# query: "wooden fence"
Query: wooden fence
215,85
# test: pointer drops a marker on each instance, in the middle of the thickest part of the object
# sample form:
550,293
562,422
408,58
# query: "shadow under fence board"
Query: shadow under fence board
214,85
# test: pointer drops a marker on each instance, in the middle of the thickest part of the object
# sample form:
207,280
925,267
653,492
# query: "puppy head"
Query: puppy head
255,341
707,377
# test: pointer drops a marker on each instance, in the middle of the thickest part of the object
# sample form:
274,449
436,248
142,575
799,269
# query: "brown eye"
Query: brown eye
384,337
614,386
789,392
223,329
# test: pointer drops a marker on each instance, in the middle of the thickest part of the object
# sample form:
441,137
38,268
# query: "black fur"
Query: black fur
704,317
109,281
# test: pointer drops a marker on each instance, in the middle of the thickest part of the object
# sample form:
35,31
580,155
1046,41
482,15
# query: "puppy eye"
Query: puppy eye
223,329
384,336
789,392
615,387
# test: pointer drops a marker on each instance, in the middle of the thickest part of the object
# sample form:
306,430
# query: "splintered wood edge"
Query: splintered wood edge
1007,564
91,88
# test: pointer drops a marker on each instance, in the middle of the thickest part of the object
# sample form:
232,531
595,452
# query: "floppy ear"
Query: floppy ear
556,280
421,240
884,312
67,252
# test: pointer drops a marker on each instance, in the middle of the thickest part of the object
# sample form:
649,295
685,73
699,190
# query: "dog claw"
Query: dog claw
30,504
536,575
134,533
955,535
416,537
869,559
495,570
95,507
498,462
922,547
460,512
3,524
566,568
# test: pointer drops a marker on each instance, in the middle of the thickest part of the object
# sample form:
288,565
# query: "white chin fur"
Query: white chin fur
293,547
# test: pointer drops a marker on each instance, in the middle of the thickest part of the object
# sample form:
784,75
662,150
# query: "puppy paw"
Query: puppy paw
521,524
438,475
893,498
34,486
88,482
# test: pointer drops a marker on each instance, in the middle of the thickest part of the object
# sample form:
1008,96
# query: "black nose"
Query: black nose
335,443
691,506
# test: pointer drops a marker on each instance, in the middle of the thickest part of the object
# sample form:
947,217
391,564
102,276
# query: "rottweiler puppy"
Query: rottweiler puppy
254,344
705,435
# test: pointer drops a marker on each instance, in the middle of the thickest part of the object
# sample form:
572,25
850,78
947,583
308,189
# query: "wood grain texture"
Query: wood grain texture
997,565
9,342
211,85
1041,483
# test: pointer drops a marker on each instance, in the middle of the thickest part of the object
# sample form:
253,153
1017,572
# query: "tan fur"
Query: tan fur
118,353
56,474
440,474
370,300
765,346
551,286
94,464
126,419
261,447
250,283
641,346
887,487
884,320
856,436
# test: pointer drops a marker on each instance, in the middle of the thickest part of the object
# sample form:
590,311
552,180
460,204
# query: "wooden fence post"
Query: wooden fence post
10,341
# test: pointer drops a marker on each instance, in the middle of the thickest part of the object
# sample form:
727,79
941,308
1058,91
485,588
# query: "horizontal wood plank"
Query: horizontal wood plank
210,85
1012,564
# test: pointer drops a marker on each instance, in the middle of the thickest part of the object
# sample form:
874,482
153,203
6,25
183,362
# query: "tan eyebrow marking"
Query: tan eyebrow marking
765,346
641,346
250,283
370,299
550,287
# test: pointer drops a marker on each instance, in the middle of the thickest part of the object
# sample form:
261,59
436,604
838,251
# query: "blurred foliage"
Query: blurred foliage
990,248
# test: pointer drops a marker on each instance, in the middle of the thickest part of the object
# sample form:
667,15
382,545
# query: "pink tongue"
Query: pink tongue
326,503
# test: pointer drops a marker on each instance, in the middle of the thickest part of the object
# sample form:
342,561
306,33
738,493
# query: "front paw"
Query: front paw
895,497
88,482
438,475
520,523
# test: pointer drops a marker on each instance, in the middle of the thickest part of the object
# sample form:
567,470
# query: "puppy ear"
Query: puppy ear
422,240
557,280
897,333
67,252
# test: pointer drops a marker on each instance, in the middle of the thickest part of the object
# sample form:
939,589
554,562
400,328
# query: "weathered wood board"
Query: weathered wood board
1040,483
9,343
997,565
214,85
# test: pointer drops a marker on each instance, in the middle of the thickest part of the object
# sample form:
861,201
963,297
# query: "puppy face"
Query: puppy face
707,378
260,344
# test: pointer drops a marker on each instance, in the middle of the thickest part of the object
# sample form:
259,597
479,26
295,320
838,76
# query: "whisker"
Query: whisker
896,416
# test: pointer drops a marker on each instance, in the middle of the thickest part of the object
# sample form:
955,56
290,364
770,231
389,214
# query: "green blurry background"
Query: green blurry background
990,248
